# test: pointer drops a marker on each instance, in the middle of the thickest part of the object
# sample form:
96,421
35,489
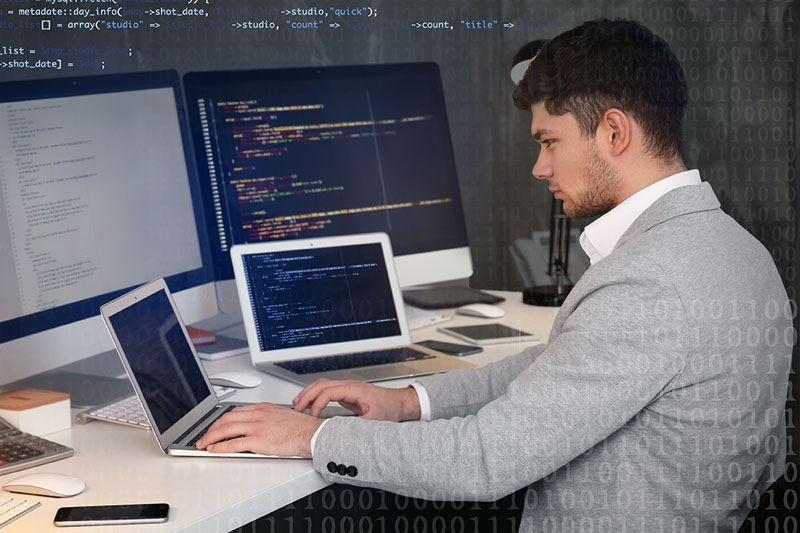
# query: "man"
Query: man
657,404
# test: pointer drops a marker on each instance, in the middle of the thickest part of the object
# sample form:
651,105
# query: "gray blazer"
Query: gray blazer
657,404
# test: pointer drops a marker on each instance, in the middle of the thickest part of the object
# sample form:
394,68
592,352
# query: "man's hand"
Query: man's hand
365,400
271,430
261,428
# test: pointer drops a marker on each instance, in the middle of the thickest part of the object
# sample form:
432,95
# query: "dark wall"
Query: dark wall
739,58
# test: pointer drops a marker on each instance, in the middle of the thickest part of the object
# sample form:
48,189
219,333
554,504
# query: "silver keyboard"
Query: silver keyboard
128,411
13,508
421,318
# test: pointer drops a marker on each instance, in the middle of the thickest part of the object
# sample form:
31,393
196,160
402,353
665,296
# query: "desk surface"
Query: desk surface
125,465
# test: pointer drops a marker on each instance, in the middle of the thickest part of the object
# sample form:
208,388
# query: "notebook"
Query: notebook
164,369
329,307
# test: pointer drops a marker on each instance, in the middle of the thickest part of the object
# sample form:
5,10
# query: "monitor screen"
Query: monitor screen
320,296
98,194
310,152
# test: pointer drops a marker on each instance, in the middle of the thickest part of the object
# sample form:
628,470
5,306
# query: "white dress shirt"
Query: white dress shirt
598,240
601,236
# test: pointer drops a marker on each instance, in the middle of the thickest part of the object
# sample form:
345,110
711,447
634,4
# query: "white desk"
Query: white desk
125,465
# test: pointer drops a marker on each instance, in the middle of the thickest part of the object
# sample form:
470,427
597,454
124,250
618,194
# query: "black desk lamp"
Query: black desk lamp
554,295
547,295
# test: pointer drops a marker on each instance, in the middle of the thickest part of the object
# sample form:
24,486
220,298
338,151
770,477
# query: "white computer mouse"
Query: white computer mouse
238,380
481,310
46,484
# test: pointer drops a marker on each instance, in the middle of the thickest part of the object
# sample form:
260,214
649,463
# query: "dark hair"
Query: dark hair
527,51
610,63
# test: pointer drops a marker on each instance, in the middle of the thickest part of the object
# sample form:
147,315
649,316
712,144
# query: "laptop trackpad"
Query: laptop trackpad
396,371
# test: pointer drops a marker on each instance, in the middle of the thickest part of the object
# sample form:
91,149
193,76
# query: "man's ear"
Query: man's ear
615,130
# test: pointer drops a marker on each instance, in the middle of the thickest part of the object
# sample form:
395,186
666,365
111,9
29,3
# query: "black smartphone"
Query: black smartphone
450,348
107,515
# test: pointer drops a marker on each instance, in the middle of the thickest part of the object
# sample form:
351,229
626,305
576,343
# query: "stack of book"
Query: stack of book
211,347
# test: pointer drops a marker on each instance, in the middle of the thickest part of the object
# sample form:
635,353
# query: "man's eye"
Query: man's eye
547,142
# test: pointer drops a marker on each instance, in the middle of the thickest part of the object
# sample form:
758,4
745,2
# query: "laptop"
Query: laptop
329,307
164,369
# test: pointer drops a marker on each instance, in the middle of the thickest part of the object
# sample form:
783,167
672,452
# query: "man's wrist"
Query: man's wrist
307,434
411,409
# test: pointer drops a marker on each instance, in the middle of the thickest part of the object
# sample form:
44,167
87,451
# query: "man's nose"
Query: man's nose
542,169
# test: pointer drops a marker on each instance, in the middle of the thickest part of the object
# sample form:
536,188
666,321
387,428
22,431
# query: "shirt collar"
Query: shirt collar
601,236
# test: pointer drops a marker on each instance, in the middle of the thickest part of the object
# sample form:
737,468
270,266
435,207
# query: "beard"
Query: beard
598,198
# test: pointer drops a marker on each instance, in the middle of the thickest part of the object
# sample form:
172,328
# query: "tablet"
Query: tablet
489,334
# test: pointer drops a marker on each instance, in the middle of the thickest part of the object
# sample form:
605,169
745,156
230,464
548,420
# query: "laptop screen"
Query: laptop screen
160,358
320,296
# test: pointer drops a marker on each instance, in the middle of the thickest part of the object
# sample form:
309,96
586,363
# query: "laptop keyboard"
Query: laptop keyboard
352,360
199,436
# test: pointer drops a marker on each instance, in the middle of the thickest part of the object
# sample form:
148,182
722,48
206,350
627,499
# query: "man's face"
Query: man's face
577,174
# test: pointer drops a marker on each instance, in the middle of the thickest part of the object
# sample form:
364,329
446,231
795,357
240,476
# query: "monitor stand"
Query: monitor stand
227,297
90,382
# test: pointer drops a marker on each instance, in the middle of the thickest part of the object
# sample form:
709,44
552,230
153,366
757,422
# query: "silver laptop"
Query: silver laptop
329,307
164,369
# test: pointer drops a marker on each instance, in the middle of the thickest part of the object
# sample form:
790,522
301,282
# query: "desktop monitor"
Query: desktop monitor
308,152
98,194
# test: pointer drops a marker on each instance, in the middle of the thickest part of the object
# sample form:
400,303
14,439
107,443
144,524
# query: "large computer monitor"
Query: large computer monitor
98,194
304,152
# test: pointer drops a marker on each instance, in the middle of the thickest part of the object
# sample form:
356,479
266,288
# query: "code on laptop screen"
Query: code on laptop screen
160,358
320,296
